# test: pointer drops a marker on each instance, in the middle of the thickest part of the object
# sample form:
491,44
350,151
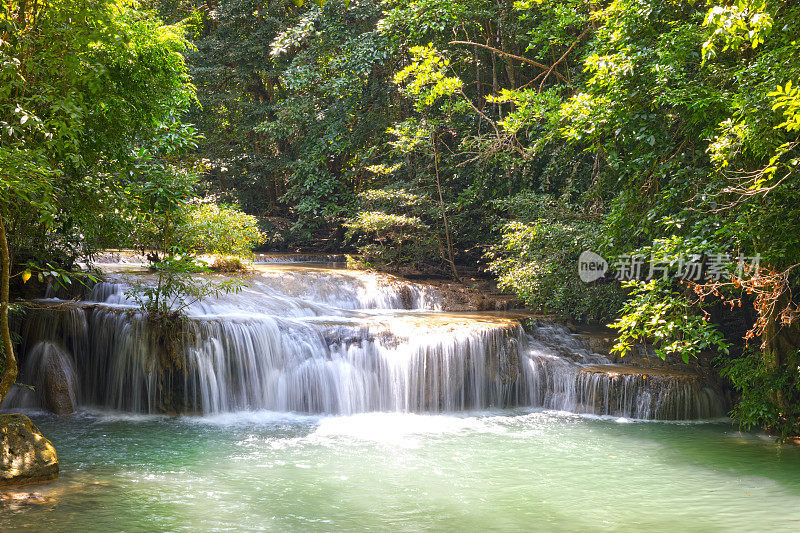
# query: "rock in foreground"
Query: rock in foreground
26,456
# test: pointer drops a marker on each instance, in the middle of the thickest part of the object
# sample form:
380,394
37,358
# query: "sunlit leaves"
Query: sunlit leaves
385,223
426,77
658,315
733,26
295,35
221,230
392,199
410,135
531,107
787,98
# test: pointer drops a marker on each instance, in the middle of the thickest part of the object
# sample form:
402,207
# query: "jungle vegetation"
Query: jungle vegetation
455,138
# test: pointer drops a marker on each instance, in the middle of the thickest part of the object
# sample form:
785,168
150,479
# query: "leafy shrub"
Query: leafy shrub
391,240
656,314
391,230
227,264
538,260
222,230
763,390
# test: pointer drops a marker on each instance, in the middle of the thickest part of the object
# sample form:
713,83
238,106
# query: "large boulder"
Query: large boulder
59,386
51,371
25,455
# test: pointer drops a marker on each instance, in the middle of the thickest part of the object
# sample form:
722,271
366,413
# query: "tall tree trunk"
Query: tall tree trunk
505,43
9,361
781,343
479,82
444,213
492,37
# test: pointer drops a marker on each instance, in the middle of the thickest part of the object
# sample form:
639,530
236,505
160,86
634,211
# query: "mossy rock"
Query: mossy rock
26,456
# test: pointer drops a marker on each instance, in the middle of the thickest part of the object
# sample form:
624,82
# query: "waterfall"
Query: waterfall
650,394
332,341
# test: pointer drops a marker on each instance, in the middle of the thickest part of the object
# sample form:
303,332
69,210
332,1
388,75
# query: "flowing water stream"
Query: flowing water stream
320,398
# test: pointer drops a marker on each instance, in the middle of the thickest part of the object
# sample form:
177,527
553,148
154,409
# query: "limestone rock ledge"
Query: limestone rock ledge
26,456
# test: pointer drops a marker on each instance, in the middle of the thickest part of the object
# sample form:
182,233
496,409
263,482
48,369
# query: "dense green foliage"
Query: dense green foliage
221,230
94,149
659,315
86,88
759,405
538,254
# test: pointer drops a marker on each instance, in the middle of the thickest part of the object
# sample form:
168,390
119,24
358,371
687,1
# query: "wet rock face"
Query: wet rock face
406,297
25,455
58,394
653,394
49,367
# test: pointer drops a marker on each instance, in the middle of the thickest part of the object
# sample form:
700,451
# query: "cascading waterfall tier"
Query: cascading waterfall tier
318,340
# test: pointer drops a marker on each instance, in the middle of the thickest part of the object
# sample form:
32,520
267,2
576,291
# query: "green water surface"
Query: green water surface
512,470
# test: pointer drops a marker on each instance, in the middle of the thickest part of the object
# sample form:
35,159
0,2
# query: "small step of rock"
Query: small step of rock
625,370
26,456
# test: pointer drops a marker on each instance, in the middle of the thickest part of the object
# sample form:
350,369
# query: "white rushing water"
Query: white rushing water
314,340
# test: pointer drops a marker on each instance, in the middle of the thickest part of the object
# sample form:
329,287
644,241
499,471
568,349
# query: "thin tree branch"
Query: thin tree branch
518,58
562,58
